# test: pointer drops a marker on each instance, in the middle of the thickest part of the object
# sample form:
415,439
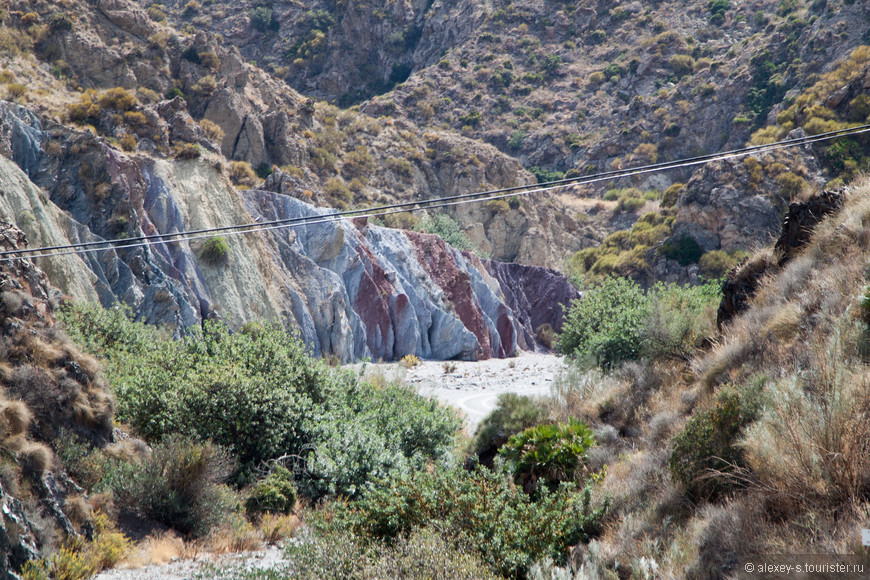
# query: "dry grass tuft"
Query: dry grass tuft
37,457
238,535
43,354
15,418
6,371
77,510
276,528
159,549
785,324
722,533
127,450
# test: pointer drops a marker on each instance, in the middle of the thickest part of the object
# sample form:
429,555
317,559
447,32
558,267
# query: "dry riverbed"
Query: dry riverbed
474,387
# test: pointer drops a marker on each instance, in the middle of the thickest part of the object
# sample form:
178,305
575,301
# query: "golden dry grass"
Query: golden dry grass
15,418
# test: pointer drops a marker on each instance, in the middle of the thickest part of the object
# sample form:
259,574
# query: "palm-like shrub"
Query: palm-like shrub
551,453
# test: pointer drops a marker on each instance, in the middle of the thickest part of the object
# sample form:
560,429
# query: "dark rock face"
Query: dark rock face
61,389
536,296
797,228
800,221
739,287
17,539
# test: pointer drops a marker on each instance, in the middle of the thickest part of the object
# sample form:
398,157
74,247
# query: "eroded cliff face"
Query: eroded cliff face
352,290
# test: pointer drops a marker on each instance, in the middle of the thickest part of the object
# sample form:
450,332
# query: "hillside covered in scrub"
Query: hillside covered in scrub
168,398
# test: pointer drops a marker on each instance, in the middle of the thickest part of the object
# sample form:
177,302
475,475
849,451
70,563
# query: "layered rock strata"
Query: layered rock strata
351,290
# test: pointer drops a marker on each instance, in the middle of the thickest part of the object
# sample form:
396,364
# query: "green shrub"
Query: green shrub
681,64
190,54
480,509
717,263
552,454
263,19
118,98
707,448
597,36
205,85
156,13
515,141
215,251
210,60
446,227
258,394
178,485
274,494
606,324
338,193
472,119
717,9
513,413
629,203
672,194
368,433
16,90
859,108
188,151
617,321
241,173
681,318
58,23
546,175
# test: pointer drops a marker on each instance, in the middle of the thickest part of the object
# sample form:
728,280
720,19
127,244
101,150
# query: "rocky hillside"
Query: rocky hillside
583,85
133,119
353,291
329,156
569,89
50,390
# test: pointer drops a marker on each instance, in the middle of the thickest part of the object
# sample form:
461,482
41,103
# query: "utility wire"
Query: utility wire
412,206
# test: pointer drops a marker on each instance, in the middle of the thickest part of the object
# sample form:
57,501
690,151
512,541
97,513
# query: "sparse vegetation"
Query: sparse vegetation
446,227
215,251
668,448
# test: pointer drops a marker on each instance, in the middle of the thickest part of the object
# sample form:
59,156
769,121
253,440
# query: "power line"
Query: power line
412,206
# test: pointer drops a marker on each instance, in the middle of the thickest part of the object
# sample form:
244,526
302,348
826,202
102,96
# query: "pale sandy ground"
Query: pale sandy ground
199,568
472,388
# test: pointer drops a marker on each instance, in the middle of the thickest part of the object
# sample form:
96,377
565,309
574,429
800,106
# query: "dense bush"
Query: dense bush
513,413
617,321
263,19
481,509
684,250
273,494
178,485
707,448
623,253
546,175
261,396
680,319
366,433
606,324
